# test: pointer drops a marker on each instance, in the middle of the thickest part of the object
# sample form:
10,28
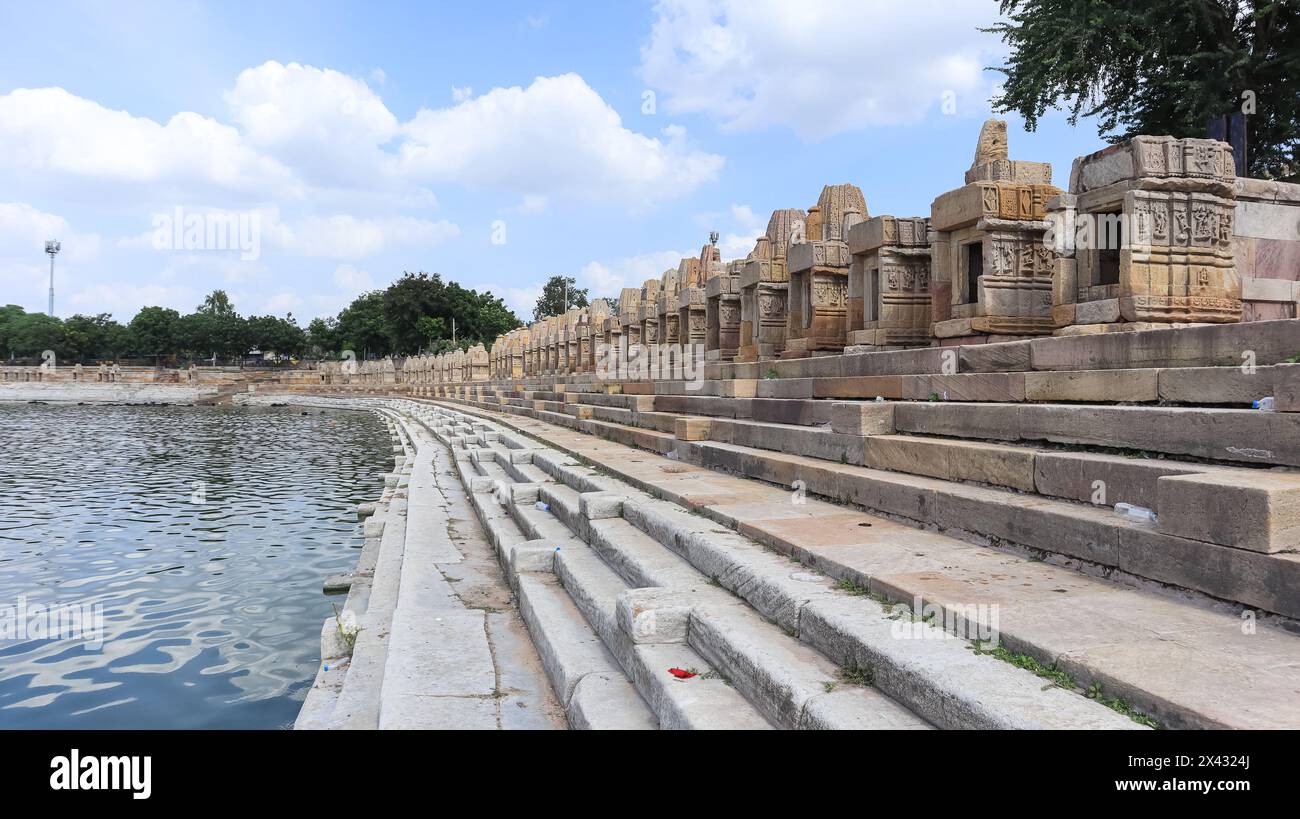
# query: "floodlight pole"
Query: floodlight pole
52,247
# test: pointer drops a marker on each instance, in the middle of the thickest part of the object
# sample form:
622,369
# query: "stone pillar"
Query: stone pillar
692,312
764,283
629,314
1145,237
478,363
669,289
889,283
591,333
722,313
649,312
816,321
991,274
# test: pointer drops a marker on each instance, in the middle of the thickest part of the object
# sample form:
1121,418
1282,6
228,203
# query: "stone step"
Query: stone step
1230,435
1095,535
708,703
1222,345
586,678
1185,660
948,685
1100,537
794,686
791,683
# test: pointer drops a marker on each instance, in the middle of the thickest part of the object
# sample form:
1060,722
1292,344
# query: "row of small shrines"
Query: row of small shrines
995,260
1144,237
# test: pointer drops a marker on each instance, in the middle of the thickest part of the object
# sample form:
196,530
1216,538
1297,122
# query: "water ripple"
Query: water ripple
204,533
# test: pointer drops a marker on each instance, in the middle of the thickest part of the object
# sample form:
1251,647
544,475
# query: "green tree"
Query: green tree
9,315
558,295
154,331
361,326
94,337
322,336
217,303
1160,67
31,334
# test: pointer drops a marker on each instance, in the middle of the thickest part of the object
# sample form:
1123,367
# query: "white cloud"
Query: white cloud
556,137
125,300
326,124
348,237
818,67
461,94
24,230
48,130
607,279
348,278
300,129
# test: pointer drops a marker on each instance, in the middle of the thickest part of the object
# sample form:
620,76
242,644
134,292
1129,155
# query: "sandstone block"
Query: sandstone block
691,429
654,615
865,418
1286,388
966,387
1256,512
1215,385
1092,385
953,460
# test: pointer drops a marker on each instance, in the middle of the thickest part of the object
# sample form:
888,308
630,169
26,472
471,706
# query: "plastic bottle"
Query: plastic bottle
1264,404
1135,512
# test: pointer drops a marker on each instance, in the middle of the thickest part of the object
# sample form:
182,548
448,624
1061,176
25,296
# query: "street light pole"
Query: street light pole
52,247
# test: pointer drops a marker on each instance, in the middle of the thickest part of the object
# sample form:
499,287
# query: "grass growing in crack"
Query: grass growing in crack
1062,679
1122,706
861,591
855,675
1051,673
828,687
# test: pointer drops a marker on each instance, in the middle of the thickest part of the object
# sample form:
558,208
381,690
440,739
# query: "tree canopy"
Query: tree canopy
1161,67
415,313
558,295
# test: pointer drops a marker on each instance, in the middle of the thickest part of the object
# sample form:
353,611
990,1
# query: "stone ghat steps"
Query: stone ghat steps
1225,345
1218,364
653,580
1212,433
586,679
1186,660
1215,534
568,597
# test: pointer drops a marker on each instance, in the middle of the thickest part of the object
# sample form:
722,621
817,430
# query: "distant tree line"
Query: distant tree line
214,329
417,313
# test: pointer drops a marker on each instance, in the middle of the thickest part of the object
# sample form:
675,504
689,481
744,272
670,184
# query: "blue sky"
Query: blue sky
496,143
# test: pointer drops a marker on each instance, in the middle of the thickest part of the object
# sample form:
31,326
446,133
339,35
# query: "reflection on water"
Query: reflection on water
204,532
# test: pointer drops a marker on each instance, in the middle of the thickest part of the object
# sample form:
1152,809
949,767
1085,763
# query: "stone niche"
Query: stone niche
764,285
515,341
889,283
574,318
629,315
591,333
817,311
991,273
691,318
649,312
1145,236
722,312
478,363
666,309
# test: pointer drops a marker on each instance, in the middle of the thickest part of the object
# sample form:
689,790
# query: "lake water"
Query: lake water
204,533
